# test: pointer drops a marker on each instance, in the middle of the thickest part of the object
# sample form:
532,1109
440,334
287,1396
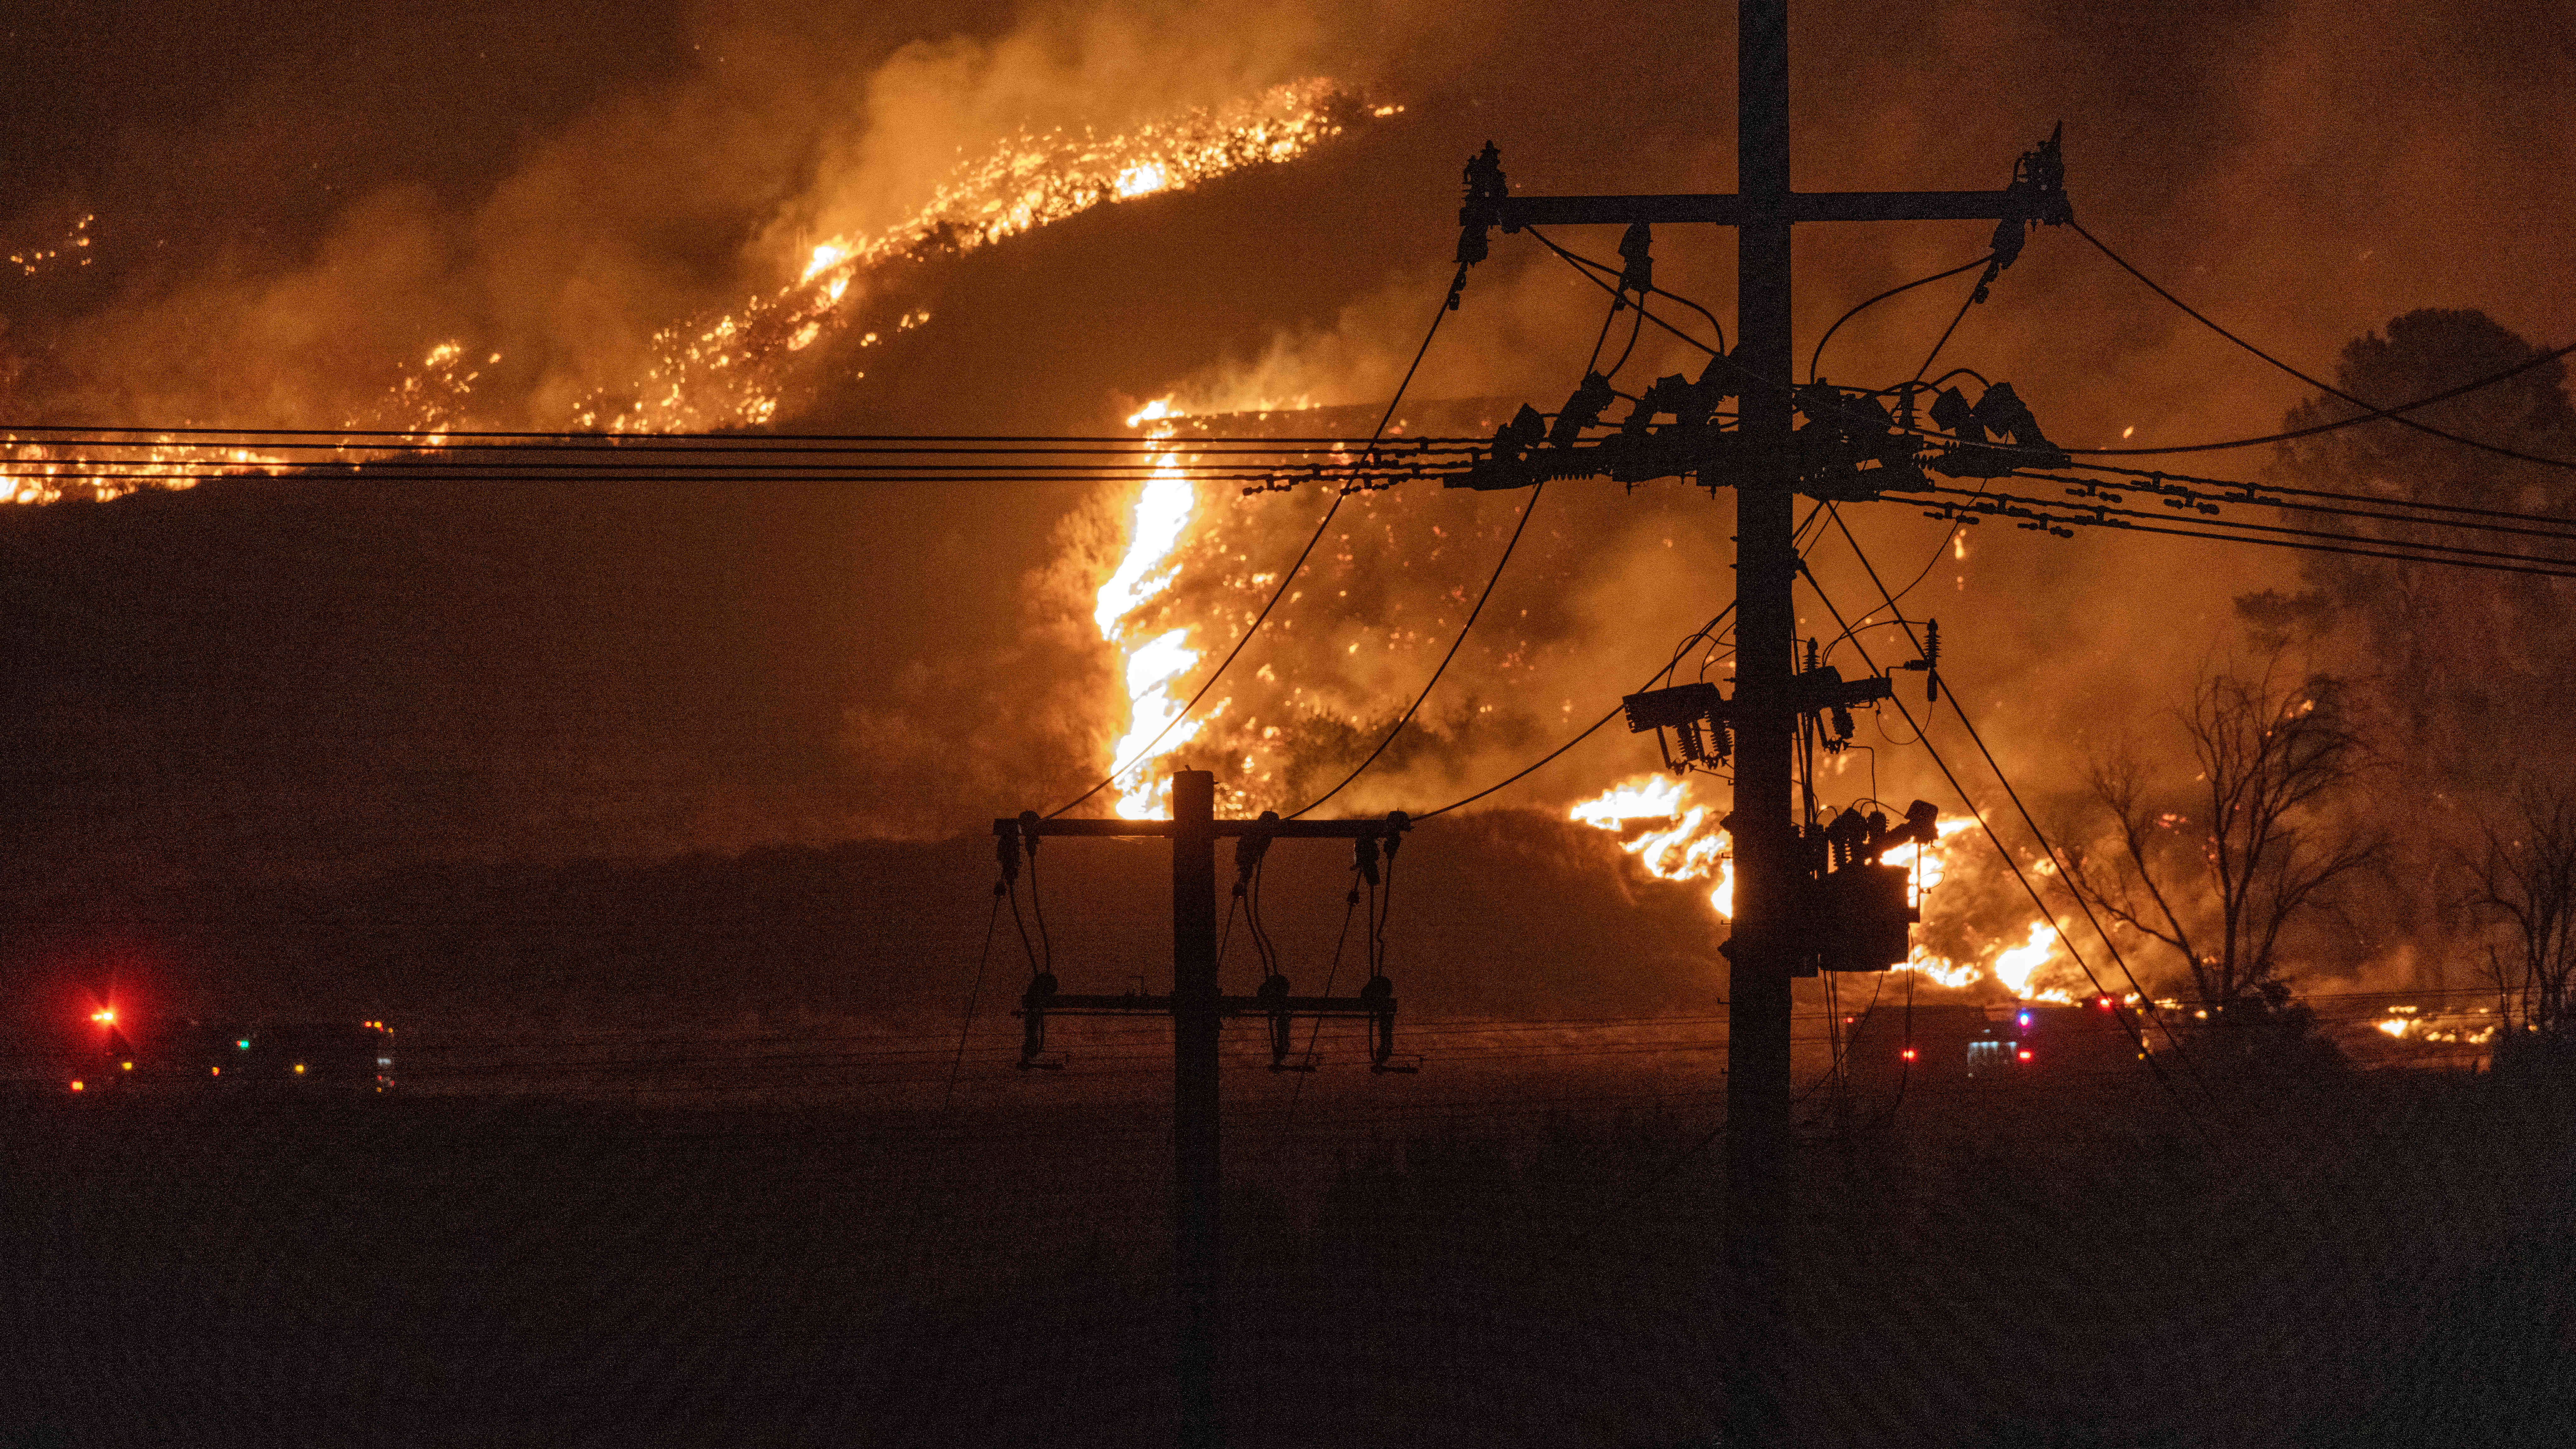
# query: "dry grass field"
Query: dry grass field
781,1240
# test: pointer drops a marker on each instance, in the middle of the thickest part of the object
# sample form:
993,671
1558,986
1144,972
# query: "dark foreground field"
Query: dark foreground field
2370,1260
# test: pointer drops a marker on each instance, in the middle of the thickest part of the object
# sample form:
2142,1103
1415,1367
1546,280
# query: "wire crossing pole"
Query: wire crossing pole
1765,949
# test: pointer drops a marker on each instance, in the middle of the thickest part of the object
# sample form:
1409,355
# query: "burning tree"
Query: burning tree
2220,887
2525,884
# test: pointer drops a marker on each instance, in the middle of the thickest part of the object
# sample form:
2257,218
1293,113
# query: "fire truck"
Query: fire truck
1989,1045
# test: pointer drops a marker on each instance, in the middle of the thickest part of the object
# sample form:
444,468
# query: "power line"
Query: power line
1585,266
2421,427
2113,510
1270,480
1929,564
2157,477
653,444
2394,414
1528,770
104,466
2180,495
2028,820
441,438
1589,730
2015,866
975,993
1818,355
1944,339
1499,564
2374,415
1290,576
2004,505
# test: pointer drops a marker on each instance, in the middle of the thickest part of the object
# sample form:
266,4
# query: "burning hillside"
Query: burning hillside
1039,223
735,369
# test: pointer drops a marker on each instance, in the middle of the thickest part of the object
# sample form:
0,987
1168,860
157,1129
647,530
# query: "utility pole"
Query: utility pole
1762,463
1758,1093
1197,1180
1198,1006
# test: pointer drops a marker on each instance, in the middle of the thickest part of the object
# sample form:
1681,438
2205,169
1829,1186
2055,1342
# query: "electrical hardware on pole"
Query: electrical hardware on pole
1197,1006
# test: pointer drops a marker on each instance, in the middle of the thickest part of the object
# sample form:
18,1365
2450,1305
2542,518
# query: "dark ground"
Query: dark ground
1527,1258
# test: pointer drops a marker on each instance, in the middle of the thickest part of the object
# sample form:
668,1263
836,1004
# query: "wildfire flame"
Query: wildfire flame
1690,847
1155,664
1675,837
2409,1023
729,371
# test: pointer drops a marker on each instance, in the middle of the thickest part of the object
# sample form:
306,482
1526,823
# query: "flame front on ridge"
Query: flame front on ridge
734,370
728,372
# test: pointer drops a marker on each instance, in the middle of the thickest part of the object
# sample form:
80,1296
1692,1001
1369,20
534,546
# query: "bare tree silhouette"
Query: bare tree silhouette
2219,872
2524,884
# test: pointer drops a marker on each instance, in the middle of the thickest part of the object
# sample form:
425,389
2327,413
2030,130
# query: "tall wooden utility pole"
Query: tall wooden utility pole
1764,950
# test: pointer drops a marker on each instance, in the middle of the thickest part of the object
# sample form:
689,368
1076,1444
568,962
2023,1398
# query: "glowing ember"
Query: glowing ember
72,250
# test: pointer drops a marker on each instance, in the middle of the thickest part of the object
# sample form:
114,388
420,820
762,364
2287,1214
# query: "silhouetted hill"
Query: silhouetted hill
1504,913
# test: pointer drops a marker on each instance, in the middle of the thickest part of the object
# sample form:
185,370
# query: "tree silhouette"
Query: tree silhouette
2220,871
2457,664
2526,889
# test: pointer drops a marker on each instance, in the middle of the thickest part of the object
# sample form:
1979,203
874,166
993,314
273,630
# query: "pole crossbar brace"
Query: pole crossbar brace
1512,213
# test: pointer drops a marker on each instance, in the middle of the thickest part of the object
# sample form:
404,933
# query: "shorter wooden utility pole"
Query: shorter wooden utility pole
1197,1006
